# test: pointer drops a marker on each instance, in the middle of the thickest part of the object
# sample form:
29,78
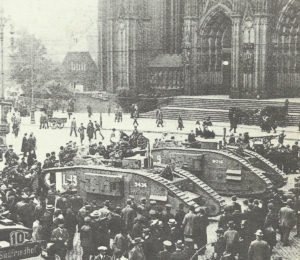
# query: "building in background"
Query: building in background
81,71
240,48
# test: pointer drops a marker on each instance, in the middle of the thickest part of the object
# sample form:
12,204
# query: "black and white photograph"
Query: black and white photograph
149,129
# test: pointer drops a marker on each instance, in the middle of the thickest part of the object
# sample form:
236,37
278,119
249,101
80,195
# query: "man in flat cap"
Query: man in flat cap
166,253
220,245
102,254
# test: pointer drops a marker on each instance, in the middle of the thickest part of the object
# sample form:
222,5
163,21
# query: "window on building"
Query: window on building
78,66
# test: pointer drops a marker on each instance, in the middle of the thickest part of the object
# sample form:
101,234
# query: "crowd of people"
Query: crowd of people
140,230
284,156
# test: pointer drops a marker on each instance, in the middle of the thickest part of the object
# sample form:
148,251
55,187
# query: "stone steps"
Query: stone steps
200,114
197,108
227,103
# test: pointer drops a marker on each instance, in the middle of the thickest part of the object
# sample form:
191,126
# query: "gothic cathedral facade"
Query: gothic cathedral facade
240,48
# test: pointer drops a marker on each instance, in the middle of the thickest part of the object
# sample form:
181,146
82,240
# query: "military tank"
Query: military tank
227,170
102,180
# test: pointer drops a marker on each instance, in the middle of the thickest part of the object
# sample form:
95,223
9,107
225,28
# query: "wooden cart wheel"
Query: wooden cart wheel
61,125
53,125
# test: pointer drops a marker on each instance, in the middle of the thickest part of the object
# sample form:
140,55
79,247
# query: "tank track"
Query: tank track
271,165
207,189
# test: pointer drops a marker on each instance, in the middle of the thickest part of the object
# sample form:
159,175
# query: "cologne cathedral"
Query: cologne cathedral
240,48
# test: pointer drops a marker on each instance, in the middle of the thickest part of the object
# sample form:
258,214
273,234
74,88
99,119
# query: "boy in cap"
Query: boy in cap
220,245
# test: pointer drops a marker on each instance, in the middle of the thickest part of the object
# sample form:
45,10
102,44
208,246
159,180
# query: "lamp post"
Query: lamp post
32,109
4,106
3,21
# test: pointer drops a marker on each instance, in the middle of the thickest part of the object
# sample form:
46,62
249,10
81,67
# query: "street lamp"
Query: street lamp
4,106
3,21
32,110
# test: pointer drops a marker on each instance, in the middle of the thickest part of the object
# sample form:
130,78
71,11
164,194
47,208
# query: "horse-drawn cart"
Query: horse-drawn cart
56,122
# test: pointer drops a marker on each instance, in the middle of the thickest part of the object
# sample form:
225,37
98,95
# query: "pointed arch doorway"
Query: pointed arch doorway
214,77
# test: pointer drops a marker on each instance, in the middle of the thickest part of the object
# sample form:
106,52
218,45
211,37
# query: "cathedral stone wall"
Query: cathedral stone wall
241,48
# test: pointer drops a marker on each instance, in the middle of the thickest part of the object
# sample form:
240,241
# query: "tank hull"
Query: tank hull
100,183
226,173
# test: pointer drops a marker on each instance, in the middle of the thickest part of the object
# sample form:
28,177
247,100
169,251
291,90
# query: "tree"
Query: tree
30,66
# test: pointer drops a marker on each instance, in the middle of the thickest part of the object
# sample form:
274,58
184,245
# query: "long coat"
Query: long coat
188,223
287,217
259,250
24,148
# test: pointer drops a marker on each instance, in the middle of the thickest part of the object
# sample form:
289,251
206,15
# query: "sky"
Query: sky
62,25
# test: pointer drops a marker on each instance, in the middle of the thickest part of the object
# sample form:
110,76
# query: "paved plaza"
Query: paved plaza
49,140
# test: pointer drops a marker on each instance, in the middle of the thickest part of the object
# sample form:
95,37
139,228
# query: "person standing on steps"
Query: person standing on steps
159,119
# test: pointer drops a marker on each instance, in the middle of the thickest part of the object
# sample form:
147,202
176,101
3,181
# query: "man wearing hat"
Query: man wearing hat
232,238
259,249
287,220
120,243
137,252
188,252
150,244
128,215
174,233
177,254
86,239
220,245
60,238
235,205
102,254
167,215
105,210
189,222
166,253
10,156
